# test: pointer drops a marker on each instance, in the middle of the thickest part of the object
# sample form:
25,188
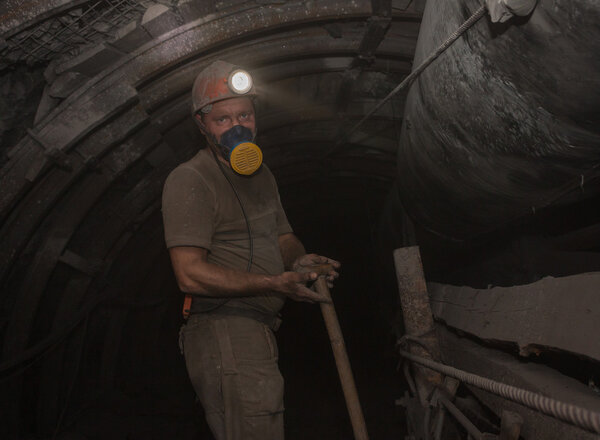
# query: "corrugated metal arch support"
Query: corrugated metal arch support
60,185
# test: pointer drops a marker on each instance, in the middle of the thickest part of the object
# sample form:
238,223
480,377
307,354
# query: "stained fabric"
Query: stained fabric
232,364
200,209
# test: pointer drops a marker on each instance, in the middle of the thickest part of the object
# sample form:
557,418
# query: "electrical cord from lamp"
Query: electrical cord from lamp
250,238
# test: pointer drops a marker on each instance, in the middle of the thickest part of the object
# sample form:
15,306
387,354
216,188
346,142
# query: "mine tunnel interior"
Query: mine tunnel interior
96,118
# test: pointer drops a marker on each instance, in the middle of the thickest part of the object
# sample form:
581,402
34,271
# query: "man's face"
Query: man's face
225,114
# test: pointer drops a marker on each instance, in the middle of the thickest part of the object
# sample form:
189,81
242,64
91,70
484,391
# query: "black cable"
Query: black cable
250,239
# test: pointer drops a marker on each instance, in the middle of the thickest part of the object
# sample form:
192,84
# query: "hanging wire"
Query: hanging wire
480,12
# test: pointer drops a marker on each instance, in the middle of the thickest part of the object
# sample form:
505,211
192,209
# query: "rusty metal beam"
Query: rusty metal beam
418,320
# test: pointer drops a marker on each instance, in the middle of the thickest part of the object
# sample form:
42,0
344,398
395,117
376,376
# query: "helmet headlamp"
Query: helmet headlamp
239,81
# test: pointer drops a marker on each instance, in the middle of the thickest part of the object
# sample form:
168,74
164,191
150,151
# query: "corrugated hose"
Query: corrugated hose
576,415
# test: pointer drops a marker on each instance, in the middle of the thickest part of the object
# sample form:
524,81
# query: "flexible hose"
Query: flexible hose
567,412
415,73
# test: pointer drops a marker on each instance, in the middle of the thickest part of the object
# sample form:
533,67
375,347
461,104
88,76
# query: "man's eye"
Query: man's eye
244,115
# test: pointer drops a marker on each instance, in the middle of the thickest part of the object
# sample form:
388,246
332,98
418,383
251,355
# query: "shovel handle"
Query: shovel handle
341,356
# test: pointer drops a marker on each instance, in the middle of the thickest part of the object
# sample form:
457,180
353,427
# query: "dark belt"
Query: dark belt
271,321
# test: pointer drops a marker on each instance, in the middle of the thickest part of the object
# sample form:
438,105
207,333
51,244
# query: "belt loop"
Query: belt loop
227,357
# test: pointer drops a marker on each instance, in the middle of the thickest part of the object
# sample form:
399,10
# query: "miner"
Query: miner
236,257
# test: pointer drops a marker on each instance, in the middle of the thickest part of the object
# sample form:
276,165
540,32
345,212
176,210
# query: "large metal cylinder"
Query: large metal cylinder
506,121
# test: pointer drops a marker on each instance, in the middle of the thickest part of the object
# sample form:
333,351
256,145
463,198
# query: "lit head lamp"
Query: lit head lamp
239,82
220,80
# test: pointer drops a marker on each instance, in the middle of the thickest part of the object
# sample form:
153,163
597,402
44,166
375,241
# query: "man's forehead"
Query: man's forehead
232,104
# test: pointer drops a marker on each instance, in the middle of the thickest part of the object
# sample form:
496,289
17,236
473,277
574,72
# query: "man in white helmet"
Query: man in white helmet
235,255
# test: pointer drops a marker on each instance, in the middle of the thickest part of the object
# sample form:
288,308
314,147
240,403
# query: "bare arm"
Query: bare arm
196,275
291,248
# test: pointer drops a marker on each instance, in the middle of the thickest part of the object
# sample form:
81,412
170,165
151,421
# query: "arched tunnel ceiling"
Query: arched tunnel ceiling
80,193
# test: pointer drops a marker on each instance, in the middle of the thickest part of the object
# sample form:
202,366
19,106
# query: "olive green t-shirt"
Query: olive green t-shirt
200,209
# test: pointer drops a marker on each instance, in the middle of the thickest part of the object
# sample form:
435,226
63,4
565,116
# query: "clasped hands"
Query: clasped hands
303,272
305,263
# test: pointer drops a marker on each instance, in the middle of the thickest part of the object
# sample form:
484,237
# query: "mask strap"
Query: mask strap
210,138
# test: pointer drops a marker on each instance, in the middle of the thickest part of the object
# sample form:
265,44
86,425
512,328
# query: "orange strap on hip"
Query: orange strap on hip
187,306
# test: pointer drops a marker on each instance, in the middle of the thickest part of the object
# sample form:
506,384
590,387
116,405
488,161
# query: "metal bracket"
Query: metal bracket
83,265
57,156
377,26
376,29
510,425
381,8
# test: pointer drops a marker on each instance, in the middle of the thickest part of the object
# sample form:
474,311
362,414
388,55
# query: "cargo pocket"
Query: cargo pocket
260,385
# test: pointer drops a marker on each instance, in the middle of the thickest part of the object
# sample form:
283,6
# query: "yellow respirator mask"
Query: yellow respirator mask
239,149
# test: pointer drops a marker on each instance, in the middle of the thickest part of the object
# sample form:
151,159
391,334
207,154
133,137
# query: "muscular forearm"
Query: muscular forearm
209,279
291,249
197,276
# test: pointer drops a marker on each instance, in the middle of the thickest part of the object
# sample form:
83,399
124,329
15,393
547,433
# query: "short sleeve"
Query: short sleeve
188,208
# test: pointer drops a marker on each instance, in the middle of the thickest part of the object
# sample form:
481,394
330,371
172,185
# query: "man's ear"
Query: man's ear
210,138
200,123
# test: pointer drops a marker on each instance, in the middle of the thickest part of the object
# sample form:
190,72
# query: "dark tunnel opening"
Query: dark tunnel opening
489,166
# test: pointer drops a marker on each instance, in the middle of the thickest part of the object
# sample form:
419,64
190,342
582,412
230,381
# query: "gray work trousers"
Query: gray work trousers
232,364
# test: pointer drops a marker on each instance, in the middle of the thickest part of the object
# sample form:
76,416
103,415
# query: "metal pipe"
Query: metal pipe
510,426
409,379
426,423
439,424
566,412
461,418
418,320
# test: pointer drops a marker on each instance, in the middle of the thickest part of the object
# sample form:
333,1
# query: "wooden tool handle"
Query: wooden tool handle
341,357
321,269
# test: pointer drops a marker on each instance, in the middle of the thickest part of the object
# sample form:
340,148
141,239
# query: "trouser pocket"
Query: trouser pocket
260,387
252,384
